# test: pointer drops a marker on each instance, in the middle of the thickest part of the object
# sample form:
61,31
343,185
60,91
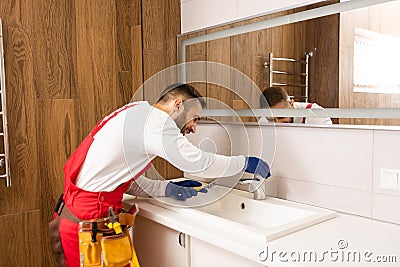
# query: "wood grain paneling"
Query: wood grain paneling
153,19
58,137
16,13
124,19
79,60
136,13
137,62
53,35
124,91
160,25
96,75
242,54
21,239
324,87
21,124
219,51
198,74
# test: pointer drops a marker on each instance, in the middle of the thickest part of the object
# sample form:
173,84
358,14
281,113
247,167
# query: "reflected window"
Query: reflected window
376,61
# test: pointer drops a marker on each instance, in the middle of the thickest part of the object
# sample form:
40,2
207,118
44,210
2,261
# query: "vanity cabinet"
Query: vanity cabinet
158,245
204,254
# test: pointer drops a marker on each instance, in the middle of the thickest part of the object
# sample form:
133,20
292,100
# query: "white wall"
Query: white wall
332,168
200,14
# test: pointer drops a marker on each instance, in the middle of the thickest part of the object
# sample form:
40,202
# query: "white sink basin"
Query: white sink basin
272,218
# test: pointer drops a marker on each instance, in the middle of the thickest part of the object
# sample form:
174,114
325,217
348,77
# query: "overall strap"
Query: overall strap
101,123
307,107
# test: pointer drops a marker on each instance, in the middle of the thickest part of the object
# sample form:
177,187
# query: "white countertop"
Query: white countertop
331,242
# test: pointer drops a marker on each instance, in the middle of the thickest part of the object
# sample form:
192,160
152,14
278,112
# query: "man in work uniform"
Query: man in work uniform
277,97
112,159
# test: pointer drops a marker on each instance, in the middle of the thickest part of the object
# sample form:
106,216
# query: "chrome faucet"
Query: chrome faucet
256,186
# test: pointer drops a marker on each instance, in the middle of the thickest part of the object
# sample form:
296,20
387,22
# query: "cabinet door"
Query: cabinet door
157,245
203,254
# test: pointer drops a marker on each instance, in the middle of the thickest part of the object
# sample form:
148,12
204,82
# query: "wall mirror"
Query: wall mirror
352,53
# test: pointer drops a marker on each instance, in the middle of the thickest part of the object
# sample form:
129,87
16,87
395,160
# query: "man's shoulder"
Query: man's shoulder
305,105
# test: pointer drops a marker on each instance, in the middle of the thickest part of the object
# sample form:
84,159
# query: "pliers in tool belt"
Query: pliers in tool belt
113,224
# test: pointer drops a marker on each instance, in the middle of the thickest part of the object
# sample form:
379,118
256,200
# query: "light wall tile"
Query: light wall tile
386,155
386,208
326,156
325,196
212,138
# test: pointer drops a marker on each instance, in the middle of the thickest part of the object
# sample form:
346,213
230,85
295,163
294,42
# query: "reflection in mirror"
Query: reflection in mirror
337,75
369,58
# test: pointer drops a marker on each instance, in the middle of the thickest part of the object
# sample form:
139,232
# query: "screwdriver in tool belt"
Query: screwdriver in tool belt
93,230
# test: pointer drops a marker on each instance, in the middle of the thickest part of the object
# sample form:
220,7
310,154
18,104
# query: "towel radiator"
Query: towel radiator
4,152
303,73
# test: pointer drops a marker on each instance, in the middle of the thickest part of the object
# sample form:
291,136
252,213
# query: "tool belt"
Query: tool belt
102,241
106,242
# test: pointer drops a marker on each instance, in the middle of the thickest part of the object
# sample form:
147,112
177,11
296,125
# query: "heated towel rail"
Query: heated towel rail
304,72
4,152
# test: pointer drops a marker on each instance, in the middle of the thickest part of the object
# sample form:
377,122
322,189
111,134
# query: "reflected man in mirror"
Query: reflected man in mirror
277,97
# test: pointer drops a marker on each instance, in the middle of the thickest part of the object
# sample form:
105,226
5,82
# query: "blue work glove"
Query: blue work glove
257,166
179,192
191,183
188,183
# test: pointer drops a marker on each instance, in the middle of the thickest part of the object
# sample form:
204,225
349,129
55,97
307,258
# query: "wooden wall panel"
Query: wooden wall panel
21,239
21,124
259,72
160,25
173,19
96,56
325,90
53,42
137,49
137,62
78,60
124,90
241,58
155,43
219,51
197,52
124,18
58,136
16,13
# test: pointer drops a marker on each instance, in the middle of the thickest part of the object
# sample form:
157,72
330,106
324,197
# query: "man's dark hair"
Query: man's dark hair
272,96
181,89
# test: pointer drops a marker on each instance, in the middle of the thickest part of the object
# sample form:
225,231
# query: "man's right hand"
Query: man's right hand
179,192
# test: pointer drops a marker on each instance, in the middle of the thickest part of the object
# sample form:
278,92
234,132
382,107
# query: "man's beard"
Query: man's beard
181,122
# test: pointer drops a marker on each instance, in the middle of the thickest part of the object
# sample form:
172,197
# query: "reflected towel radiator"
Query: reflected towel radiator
304,73
4,154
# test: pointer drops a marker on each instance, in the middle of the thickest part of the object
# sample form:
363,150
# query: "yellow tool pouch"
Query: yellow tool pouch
107,248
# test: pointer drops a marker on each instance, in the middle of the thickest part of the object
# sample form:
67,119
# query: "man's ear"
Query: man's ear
178,104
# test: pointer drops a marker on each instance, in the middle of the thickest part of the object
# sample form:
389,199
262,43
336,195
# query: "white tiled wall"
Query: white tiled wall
332,168
325,156
385,203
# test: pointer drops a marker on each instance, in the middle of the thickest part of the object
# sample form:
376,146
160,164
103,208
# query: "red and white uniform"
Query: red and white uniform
116,153
310,120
